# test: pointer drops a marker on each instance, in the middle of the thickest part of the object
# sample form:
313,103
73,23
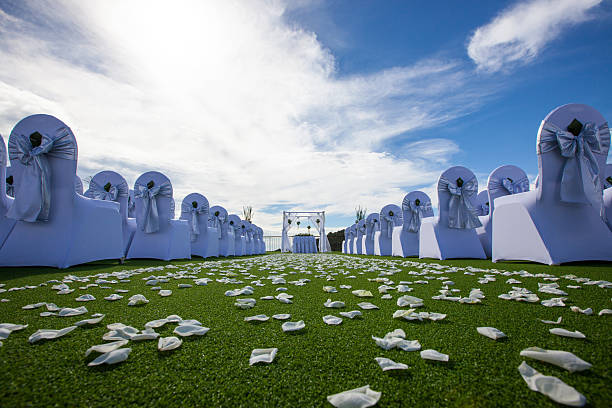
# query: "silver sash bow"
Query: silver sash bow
461,212
509,186
484,209
193,218
371,226
417,213
580,182
10,190
149,197
114,192
218,221
33,197
390,220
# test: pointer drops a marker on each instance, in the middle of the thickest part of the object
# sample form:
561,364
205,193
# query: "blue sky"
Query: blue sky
303,105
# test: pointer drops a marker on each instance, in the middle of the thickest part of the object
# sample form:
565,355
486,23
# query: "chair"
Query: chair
372,222
235,223
607,195
389,218
131,205
452,234
158,235
262,247
562,220
360,229
415,207
503,181
6,200
258,238
195,211
352,237
54,226
111,186
218,219
345,242
78,185
248,231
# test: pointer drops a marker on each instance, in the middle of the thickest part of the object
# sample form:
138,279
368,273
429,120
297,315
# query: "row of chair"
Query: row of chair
47,220
567,218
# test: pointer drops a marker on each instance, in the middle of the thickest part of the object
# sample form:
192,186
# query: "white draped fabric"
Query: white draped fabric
316,218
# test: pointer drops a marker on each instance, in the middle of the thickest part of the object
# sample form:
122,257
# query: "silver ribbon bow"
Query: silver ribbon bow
149,198
484,209
580,182
114,192
371,226
218,221
461,212
193,214
33,197
10,190
390,220
417,213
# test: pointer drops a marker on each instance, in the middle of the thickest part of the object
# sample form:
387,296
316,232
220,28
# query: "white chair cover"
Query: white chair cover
219,220
482,203
416,206
360,229
235,223
563,219
259,242
262,243
250,243
345,242
390,216
503,181
352,237
452,234
55,226
6,200
195,211
607,195
157,235
78,185
111,186
372,224
131,205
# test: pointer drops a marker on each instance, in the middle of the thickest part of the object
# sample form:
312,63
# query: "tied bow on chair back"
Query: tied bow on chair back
193,212
484,208
390,217
33,196
108,192
10,188
149,193
461,212
580,182
371,226
218,219
417,209
508,186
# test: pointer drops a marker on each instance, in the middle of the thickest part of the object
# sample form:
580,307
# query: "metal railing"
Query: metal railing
274,242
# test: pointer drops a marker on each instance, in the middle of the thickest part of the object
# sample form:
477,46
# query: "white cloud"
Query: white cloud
519,33
229,100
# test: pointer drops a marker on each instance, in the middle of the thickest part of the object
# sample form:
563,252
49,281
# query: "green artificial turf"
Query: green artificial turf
214,370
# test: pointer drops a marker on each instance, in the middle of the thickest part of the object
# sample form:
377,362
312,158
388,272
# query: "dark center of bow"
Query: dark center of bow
417,202
390,213
150,184
9,180
194,204
36,139
459,182
216,213
608,179
575,127
107,187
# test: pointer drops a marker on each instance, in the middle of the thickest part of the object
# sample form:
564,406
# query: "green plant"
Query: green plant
360,213
248,213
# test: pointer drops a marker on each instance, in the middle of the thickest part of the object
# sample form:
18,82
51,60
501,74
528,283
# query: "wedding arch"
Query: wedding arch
316,218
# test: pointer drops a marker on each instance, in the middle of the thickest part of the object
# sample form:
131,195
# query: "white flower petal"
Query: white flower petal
388,364
434,355
558,321
191,330
137,300
168,343
566,333
560,358
146,334
587,311
48,334
333,305
281,316
95,320
362,397
332,320
367,306
293,326
85,298
165,292
257,318
112,357
67,312
491,332
362,293
352,314
113,297
107,347
262,356
552,387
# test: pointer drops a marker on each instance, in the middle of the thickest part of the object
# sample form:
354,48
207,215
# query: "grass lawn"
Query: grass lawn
213,370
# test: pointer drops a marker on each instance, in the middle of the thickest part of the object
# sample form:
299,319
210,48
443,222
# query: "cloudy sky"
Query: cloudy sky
302,105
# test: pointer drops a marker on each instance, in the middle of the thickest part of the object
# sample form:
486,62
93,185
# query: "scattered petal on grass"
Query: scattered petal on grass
169,343
362,397
491,332
332,320
566,333
329,289
165,292
387,364
67,312
245,303
262,356
281,316
293,326
560,358
107,347
334,305
554,302
352,314
112,357
257,318
190,330
12,327
113,297
185,285
47,334
34,306
605,312
367,306
434,355
85,298
146,334
558,321
95,320
137,300
552,387
362,293
410,301
587,311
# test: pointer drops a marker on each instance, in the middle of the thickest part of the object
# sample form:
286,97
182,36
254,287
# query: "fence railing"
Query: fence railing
274,242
